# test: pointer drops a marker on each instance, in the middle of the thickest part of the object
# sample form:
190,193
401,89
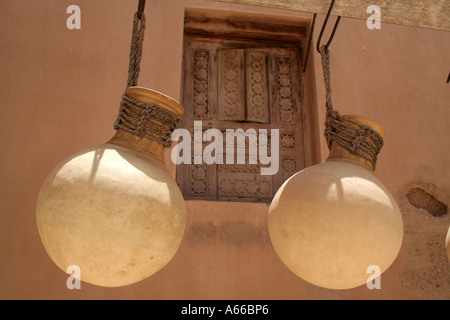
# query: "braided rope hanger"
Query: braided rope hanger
354,136
136,117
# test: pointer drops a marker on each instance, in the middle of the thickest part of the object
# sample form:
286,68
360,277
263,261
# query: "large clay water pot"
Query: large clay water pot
330,222
114,210
447,244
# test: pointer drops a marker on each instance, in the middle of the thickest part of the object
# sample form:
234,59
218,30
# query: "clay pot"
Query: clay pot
447,244
330,222
114,210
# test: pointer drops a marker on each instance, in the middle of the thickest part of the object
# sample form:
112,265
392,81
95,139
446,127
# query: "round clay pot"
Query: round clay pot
330,222
114,210
447,244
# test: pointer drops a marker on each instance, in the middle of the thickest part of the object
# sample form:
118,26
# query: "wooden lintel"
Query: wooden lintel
240,29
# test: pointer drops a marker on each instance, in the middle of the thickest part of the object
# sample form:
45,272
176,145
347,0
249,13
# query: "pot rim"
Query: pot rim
155,97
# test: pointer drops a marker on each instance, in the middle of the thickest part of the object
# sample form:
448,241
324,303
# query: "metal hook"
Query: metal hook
323,28
141,8
311,33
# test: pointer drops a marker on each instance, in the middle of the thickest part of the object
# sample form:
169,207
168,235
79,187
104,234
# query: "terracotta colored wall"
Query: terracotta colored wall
60,91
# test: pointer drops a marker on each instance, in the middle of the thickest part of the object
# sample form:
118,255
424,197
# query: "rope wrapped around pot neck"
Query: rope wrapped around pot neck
139,118
354,136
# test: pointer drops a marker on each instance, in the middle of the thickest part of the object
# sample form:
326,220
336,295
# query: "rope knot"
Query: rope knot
359,138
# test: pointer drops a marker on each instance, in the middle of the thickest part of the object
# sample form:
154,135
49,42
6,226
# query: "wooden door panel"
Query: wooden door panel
257,87
228,86
231,85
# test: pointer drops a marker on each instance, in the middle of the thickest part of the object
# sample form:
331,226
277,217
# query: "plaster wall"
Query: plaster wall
60,91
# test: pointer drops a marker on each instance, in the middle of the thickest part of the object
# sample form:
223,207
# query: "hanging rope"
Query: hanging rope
137,39
136,117
354,136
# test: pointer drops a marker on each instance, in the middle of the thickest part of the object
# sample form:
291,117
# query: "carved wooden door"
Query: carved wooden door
244,86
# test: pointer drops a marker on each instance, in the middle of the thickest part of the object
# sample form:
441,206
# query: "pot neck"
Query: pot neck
144,146
340,154
146,121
